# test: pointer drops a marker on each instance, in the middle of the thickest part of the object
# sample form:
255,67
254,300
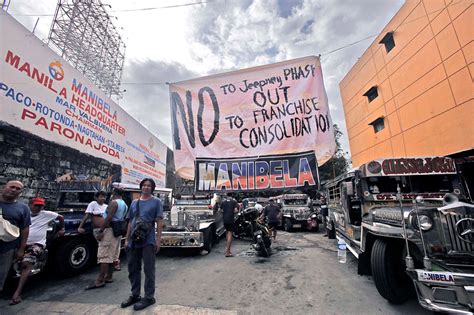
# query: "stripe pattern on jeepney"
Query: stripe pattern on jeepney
459,243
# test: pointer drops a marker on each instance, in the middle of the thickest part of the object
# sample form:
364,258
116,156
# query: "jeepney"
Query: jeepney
403,221
296,210
193,222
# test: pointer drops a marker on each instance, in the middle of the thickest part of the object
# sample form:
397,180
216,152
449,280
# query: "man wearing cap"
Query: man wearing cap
18,215
36,243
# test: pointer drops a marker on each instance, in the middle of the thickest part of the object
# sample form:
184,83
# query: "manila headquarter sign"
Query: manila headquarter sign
265,127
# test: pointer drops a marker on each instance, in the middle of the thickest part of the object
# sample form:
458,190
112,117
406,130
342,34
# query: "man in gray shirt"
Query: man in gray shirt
18,214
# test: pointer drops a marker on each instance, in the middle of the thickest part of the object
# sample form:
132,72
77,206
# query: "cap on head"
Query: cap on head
38,201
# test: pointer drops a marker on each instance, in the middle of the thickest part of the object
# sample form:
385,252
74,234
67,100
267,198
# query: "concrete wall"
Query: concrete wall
38,164
424,84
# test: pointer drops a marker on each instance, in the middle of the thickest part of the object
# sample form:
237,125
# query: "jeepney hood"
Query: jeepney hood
296,208
391,214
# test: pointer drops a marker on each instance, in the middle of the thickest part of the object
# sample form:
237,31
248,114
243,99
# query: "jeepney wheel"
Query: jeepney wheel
75,256
331,231
388,271
287,225
208,239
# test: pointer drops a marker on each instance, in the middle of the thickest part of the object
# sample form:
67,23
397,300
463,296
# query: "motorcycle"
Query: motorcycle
243,223
312,222
249,226
262,239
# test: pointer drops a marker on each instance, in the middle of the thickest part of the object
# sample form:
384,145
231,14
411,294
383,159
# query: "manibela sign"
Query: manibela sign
275,110
42,94
264,172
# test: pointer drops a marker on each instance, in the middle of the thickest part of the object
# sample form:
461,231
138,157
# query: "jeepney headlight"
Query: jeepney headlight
425,222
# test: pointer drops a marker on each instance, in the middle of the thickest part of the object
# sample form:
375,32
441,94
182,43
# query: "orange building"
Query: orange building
411,92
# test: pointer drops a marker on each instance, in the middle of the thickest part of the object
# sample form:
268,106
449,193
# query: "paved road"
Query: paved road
301,277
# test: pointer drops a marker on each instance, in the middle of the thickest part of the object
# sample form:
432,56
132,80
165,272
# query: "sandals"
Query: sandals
229,255
95,286
15,301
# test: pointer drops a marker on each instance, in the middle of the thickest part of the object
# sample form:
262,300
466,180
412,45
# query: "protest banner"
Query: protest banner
271,110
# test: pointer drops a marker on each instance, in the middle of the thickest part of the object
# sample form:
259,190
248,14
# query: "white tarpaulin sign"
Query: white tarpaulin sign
269,110
42,94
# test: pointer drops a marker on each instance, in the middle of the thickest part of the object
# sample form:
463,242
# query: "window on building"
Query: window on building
388,41
372,93
378,124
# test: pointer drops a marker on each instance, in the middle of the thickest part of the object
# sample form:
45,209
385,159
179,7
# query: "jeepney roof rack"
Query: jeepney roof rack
290,196
136,187
334,181
81,186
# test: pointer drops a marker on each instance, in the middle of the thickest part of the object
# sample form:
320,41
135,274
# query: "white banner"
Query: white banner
276,109
44,95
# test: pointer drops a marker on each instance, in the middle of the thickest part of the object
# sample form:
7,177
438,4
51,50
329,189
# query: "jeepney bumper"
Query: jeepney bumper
182,239
441,291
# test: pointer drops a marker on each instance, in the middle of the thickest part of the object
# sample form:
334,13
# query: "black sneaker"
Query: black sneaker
144,303
132,299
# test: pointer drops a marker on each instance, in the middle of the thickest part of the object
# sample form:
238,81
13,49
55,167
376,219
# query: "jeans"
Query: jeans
6,261
135,257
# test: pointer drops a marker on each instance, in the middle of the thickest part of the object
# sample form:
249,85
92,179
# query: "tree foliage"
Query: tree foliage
337,165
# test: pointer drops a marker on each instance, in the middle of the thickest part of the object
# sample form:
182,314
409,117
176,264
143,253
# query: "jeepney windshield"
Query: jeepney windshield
410,184
75,199
295,202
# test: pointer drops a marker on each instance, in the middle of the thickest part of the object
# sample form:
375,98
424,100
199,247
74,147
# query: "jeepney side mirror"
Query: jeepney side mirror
349,188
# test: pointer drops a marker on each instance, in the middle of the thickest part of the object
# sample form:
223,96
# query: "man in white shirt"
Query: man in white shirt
36,243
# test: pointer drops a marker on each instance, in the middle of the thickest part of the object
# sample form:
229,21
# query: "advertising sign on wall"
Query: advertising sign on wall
42,94
277,109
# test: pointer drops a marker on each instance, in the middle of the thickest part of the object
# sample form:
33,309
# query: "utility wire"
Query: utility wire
138,9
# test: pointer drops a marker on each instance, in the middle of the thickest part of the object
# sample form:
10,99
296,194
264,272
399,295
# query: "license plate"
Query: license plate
435,276
296,225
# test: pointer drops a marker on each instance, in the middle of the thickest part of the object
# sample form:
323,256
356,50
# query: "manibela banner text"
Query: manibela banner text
256,173
42,94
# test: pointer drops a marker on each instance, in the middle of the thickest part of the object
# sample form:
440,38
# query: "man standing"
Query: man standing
143,241
324,213
109,244
36,242
272,213
229,207
96,210
17,214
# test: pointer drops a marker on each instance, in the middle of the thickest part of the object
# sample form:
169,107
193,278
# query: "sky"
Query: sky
170,41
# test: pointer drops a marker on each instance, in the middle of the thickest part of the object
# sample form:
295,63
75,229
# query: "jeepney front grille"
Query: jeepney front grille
458,245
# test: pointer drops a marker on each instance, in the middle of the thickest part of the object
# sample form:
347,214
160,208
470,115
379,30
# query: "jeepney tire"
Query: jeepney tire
208,239
287,225
331,232
388,272
75,256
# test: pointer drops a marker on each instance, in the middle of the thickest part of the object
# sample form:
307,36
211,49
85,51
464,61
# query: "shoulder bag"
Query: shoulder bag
8,232
119,228
141,228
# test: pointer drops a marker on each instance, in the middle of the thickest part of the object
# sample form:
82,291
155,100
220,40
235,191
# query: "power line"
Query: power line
348,45
138,9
